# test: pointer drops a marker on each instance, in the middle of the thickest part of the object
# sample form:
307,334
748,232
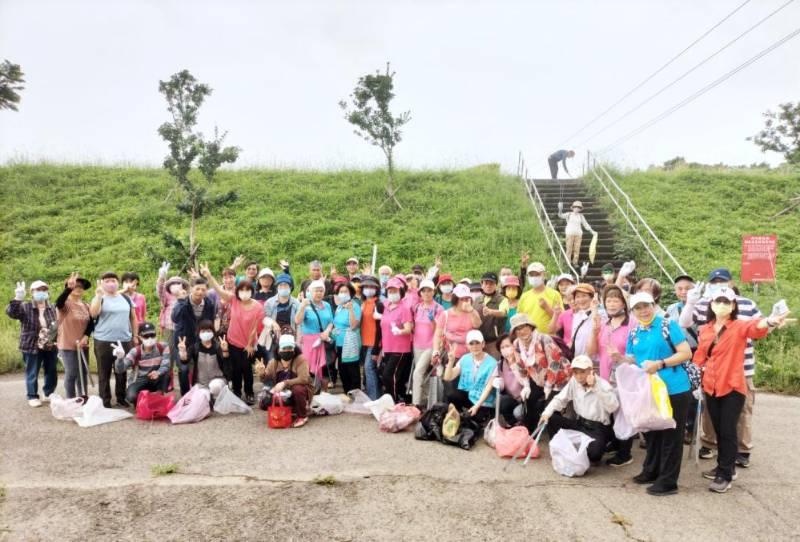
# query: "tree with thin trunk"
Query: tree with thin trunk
11,84
374,122
781,132
187,150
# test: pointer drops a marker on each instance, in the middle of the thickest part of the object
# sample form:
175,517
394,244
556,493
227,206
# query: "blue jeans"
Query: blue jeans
35,362
371,373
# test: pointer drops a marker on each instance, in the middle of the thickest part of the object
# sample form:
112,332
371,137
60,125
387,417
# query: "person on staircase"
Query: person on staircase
574,234
555,158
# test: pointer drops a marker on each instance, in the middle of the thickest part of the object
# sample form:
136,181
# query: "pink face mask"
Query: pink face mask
507,351
110,287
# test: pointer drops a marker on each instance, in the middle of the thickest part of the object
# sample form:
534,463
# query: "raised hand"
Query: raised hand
193,274
237,261
334,272
119,351
72,280
164,269
584,269
524,258
627,268
223,344
99,292
284,264
694,295
182,345
19,292
204,270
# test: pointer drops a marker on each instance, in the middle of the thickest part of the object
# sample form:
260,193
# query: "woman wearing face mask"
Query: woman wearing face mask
242,336
74,327
384,275
445,287
266,285
540,301
346,323
38,324
115,323
209,357
561,324
720,351
371,309
425,314
453,325
515,386
474,370
282,308
396,330
289,371
130,287
168,292
586,309
223,318
509,305
609,339
315,318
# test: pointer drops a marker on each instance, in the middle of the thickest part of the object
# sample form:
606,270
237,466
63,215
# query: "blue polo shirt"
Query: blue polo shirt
474,381
645,343
311,325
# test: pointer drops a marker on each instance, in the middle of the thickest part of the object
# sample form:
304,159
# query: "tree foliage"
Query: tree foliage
781,132
369,112
11,83
187,150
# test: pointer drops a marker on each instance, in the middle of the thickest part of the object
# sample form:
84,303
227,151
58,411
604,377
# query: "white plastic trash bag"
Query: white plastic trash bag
228,403
358,403
193,407
382,404
568,452
216,385
94,413
623,429
65,409
637,402
325,404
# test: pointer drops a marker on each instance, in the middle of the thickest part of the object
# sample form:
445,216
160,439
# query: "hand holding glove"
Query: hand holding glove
19,292
163,270
627,268
584,269
525,393
118,351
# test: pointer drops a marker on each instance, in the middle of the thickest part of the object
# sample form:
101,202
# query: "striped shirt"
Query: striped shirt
674,313
747,311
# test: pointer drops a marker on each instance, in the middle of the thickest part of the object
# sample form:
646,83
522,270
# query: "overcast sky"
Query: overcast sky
482,79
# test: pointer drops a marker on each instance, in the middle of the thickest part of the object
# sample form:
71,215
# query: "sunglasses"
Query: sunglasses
148,336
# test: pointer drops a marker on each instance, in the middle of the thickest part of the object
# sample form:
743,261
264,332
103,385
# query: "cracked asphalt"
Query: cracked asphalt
239,480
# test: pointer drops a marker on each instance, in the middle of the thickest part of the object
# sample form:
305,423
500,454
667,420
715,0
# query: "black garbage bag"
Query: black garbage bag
429,427
468,432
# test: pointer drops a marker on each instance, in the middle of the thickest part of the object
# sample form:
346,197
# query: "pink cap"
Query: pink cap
462,290
395,283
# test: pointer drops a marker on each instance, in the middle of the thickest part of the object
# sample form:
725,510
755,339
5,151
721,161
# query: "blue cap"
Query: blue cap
720,273
285,279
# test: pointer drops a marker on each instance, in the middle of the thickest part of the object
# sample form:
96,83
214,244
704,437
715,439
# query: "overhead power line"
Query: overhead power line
659,70
702,91
686,73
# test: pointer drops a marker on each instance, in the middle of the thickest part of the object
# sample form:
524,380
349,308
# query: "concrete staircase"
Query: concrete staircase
567,191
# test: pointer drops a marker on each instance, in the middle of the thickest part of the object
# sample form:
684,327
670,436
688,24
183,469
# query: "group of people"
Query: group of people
541,350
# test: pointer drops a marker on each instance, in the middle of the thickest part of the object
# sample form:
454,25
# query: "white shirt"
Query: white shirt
574,223
596,404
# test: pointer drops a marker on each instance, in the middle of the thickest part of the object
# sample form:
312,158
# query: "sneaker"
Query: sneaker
712,474
46,399
249,400
300,422
618,461
719,485
658,491
33,403
643,478
743,460
106,404
706,453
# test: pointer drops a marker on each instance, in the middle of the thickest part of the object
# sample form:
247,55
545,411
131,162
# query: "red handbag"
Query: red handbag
278,415
153,406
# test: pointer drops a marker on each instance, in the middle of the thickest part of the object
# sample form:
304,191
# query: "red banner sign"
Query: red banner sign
759,254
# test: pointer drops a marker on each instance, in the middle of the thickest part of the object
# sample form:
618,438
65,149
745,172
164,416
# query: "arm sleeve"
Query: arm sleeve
607,396
752,331
14,310
585,224
61,301
686,317
560,401
164,367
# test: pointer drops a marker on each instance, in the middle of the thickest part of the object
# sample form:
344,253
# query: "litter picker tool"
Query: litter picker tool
535,436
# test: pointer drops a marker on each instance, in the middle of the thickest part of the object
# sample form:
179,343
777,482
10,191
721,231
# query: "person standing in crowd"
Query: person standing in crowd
474,372
167,291
555,158
289,371
396,329
371,309
696,312
445,287
150,360
652,351
682,285
352,268
250,272
510,303
130,288
74,328
266,285
722,342
115,326
315,318
453,325
346,324
564,284
37,339
189,311
573,232
384,274
653,287
538,302
608,274
282,308
242,336
425,314
315,274
493,320
580,326
223,318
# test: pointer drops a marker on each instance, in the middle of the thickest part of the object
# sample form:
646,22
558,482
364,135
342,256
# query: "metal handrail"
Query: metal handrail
629,209
547,227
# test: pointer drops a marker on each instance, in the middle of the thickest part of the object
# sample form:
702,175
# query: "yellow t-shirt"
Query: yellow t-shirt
529,304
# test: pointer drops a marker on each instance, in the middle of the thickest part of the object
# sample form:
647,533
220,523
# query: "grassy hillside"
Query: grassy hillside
701,215
56,219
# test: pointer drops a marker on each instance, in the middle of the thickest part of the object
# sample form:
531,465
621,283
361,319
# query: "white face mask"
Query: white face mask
344,298
284,292
536,282
174,289
446,289
714,289
206,335
149,343
244,295
393,298
369,292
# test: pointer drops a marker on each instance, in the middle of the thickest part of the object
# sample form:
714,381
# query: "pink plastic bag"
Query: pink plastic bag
153,406
398,418
192,407
637,402
510,441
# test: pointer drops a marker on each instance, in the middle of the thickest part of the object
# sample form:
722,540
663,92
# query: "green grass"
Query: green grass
701,214
60,218
165,469
328,480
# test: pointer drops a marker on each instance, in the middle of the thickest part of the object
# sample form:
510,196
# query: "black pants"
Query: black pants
460,399
724,413
394,370
553,167
241,369
599,432
665,448
350,372
331,371
104,354
142,382
535,406
507,406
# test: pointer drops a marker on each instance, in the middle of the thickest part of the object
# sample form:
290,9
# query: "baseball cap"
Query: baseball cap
726,293
641,297
474,335
537,267
427,283
146,328
352,259
582,362
286,341
719,273
462,290
489,275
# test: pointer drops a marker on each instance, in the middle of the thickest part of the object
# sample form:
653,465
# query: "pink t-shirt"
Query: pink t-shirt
619,337
411,299
511,384
456,325
398,315
243,322
565,323
140,307
425,325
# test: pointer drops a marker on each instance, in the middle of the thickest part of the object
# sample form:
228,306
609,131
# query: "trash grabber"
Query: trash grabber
84,363
533,436
694,448
535,445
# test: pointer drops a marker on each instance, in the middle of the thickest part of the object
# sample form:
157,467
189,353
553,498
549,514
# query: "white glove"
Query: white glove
525,393
627,268
19,293
432,271
118,351
694,295
698,394
395,330
584,269
560,206
163,270
376,315
497,382
779,308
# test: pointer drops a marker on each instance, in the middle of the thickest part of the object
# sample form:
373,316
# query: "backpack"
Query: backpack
692,370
